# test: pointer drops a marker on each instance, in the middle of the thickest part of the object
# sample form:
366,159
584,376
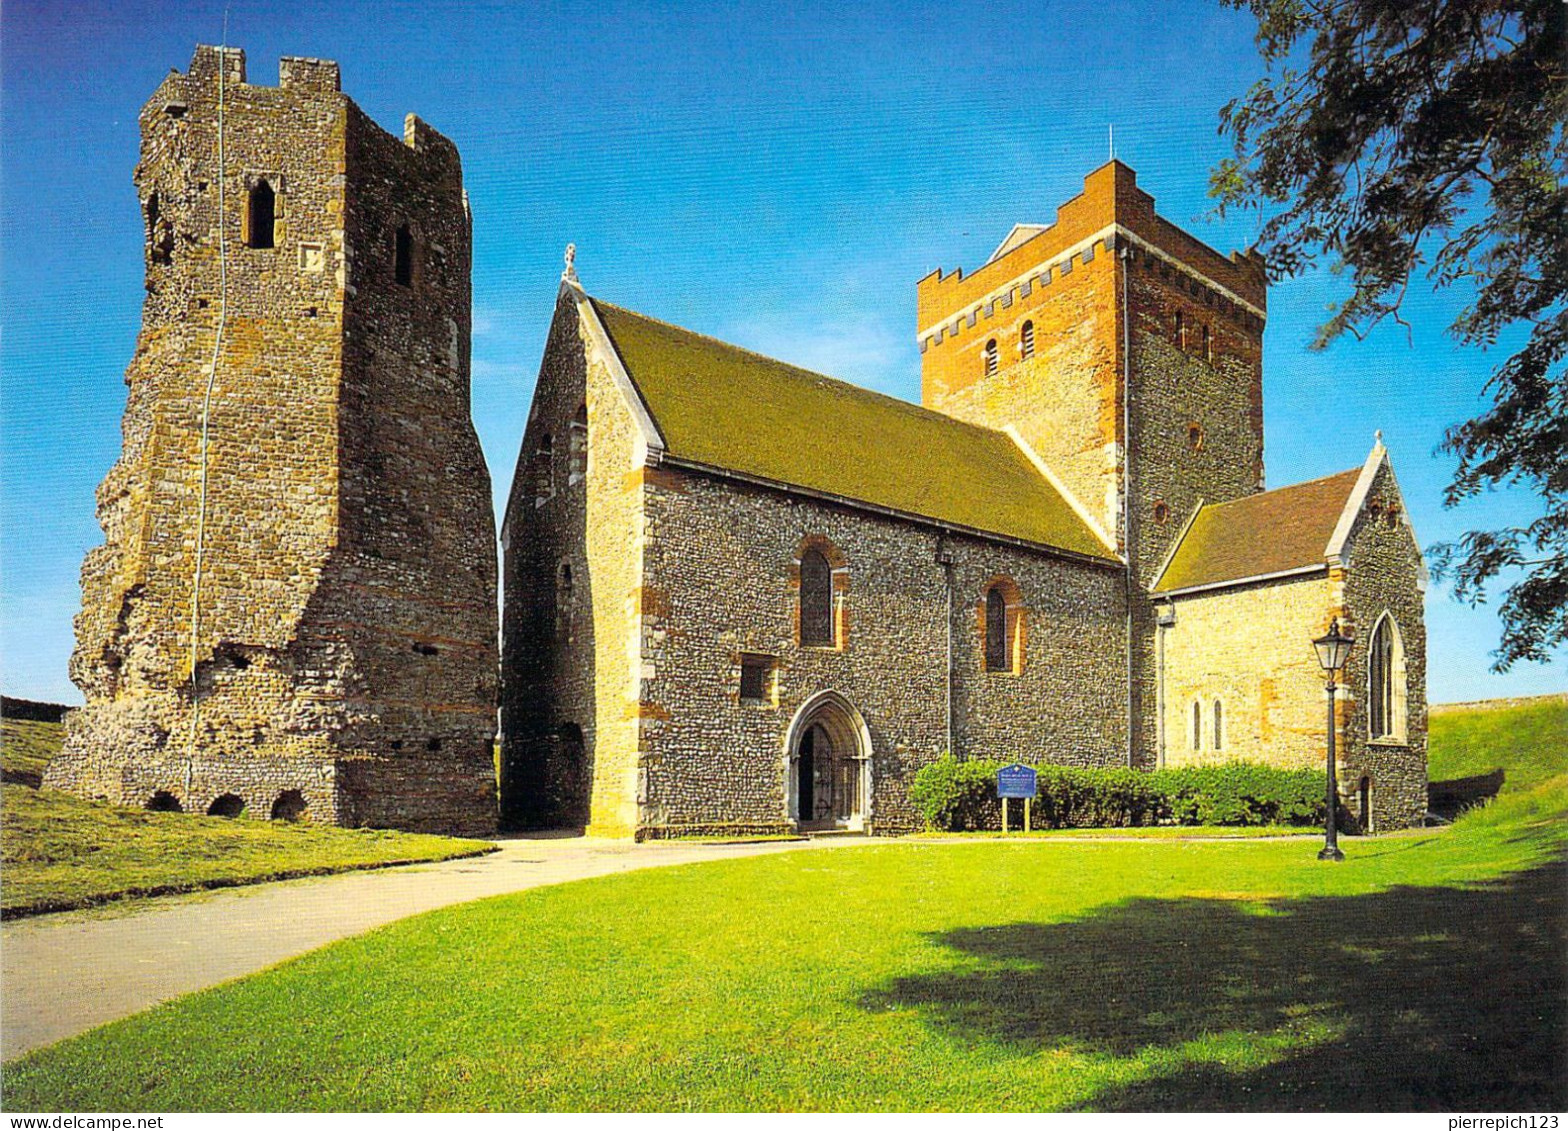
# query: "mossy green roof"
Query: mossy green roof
1270,532
728,408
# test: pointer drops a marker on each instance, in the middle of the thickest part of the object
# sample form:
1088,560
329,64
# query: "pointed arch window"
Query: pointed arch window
1219,726
1386,682
991,358
1026,340
816,600
261,215
1197,725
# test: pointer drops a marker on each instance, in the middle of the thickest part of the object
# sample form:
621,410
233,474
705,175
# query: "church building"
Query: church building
743,598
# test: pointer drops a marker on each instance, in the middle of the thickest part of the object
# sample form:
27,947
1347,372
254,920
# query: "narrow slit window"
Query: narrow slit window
261,215
1219,726
1208,353
1181,331
1197,726
403,257
577,445
543,468
996,658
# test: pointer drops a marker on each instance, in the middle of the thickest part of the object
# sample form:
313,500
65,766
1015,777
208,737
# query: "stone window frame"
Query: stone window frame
1197,436
1026,339
1217,726
768,666
838,571
1208,344
1161,512
1181,332
278,186
993,358
541,470
1387,683
1014,625
1195,738
415,263
577,446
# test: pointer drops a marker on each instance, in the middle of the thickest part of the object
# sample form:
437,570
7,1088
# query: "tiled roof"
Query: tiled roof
1266,533
725,407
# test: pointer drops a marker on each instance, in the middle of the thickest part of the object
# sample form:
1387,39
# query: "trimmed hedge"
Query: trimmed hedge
959,796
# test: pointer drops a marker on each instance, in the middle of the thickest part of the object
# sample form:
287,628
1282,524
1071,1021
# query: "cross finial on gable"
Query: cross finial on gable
570,273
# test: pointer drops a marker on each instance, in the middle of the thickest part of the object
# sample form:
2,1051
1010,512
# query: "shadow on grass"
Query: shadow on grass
1450,798
1407,999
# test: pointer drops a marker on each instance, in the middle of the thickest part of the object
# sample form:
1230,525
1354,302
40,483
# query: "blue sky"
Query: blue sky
778,179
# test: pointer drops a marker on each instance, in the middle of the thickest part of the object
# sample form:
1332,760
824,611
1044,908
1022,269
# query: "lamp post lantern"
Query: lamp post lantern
1333,650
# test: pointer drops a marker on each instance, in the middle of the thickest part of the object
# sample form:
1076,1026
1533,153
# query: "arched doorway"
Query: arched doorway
828,782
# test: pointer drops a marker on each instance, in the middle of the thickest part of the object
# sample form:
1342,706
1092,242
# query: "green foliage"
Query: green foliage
59,851
1241,793
1392,139
957,796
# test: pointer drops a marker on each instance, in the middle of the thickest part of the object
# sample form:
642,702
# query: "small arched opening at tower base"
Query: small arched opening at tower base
827,781
164,802
226,805
261,215
289,806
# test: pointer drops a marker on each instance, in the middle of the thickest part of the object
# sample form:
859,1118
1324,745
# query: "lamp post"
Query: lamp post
1333,650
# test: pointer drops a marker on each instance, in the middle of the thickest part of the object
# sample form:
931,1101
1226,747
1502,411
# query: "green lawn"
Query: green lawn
1424,973
60,851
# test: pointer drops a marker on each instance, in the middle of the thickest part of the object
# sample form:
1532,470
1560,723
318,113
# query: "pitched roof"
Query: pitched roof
1270,532
728,408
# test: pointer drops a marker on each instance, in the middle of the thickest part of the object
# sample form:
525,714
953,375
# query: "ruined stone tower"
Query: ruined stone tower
294,609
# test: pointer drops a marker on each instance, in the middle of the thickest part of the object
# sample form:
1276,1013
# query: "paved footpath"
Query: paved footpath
65,973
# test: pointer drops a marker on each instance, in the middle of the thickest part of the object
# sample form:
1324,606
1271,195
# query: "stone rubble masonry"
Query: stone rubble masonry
571,649
634,594
675,575
1248,648
346,629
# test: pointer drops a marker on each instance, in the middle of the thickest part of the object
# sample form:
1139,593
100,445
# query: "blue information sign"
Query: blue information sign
1016,781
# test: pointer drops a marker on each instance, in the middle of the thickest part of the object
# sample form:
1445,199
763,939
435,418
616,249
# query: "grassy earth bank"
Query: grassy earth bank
60,852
